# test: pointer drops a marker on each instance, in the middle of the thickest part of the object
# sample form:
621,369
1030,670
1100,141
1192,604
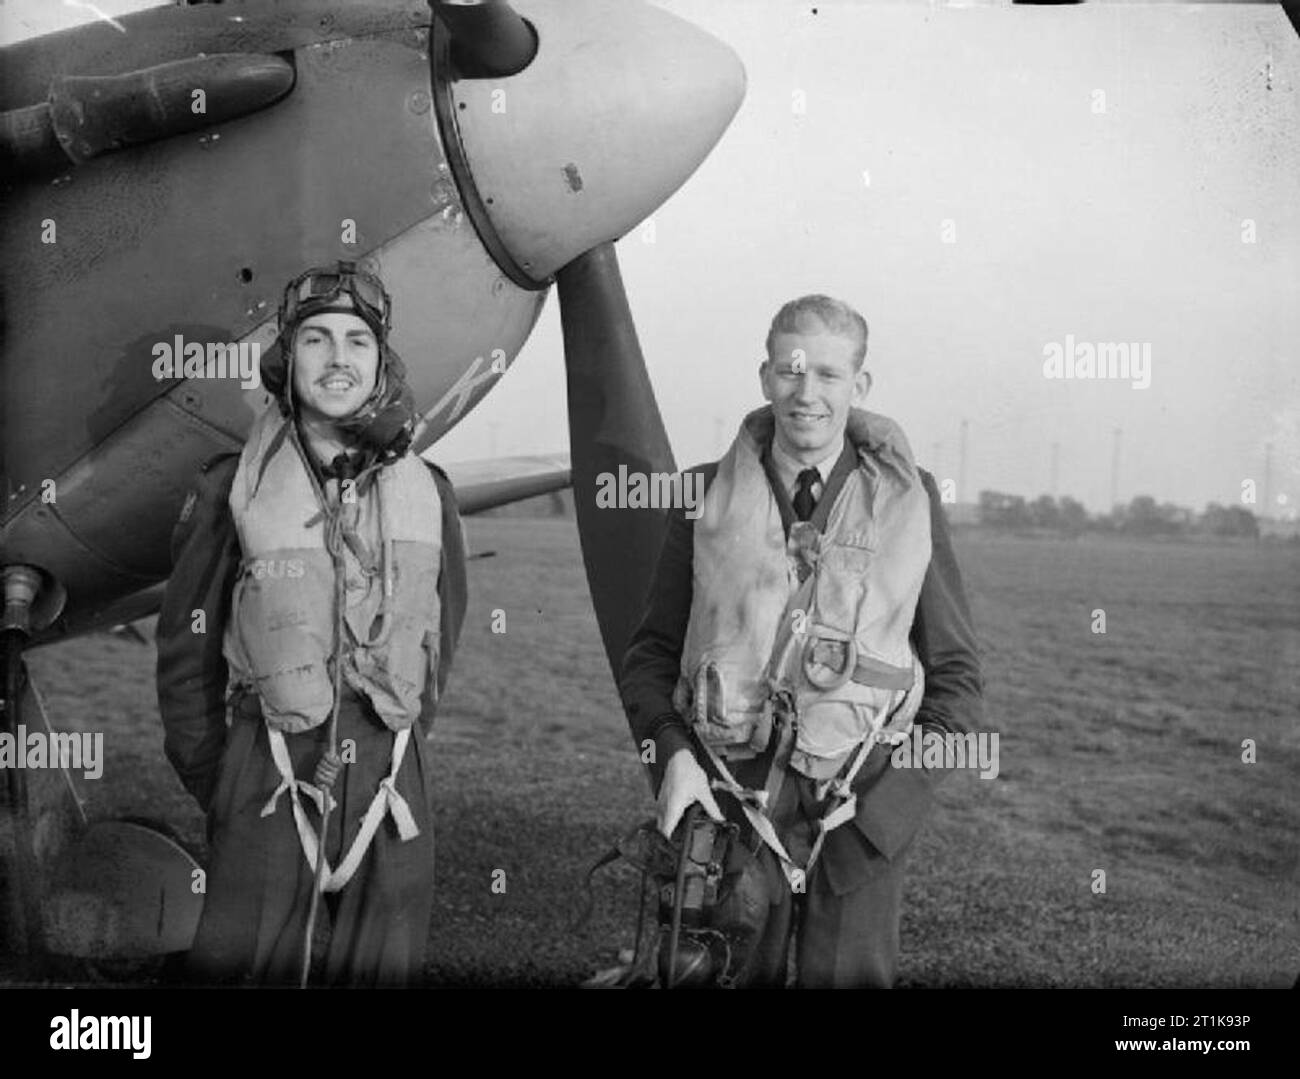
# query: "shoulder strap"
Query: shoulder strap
844,467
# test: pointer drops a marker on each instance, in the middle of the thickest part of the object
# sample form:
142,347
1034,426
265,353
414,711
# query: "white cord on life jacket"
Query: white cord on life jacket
386,799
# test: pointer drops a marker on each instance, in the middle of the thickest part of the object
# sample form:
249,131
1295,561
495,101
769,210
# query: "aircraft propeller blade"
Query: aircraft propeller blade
614,423
489,38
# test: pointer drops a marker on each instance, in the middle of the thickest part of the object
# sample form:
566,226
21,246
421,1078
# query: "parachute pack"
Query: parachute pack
712,904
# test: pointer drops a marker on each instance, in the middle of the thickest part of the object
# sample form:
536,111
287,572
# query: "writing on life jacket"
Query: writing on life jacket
280,636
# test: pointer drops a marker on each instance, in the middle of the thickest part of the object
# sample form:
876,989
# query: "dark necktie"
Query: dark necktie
803,497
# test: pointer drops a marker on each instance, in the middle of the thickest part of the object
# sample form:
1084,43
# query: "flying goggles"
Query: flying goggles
317,289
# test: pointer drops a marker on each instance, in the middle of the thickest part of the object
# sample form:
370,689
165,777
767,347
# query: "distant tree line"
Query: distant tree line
1143,516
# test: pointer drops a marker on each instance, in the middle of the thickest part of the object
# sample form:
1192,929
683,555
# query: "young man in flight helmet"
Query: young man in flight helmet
305,636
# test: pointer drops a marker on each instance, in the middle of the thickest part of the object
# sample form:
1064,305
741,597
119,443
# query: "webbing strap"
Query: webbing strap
881,675
800,601
290,782
842,788
386,800
780,757
756,804
780,700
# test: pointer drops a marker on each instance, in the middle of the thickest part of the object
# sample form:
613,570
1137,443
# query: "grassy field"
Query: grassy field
1119,752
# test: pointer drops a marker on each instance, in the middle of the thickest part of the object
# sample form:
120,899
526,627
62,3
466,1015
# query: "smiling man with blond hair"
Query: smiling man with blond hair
813,612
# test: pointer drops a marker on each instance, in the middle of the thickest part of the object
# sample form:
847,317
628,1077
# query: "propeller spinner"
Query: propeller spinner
649,95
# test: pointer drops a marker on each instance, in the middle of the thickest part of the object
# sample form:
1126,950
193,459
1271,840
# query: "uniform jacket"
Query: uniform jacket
192,673
891,801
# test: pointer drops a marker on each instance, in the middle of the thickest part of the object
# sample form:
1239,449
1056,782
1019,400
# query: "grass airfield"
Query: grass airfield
1120,752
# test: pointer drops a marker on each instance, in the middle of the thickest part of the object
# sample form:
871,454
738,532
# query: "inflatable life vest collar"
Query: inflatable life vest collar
868,431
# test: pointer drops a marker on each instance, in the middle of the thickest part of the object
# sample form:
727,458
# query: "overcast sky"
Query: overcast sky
1096,165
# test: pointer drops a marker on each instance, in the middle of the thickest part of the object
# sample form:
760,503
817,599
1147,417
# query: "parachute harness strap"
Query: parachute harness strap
758,804
387,799
782,706
754,804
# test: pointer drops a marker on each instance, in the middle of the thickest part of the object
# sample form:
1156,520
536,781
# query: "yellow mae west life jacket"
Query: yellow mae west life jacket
281,633
281,630
815,627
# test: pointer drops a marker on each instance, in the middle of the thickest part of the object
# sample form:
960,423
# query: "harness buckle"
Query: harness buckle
829,658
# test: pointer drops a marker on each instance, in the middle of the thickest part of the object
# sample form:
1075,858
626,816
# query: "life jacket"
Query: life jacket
386,542
280,635
817,624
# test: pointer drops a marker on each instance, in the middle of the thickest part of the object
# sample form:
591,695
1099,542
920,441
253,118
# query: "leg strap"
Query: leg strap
841,788
758,804
386,800
753,803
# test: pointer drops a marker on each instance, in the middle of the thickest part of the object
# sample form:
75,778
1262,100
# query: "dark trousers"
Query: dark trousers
842,939
259,882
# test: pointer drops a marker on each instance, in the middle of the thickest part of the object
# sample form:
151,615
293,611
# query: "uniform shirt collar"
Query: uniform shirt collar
788,469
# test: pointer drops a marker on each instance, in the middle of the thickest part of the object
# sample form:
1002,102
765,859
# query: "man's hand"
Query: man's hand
684,782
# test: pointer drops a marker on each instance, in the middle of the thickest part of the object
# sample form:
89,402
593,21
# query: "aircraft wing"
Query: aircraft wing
498,481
